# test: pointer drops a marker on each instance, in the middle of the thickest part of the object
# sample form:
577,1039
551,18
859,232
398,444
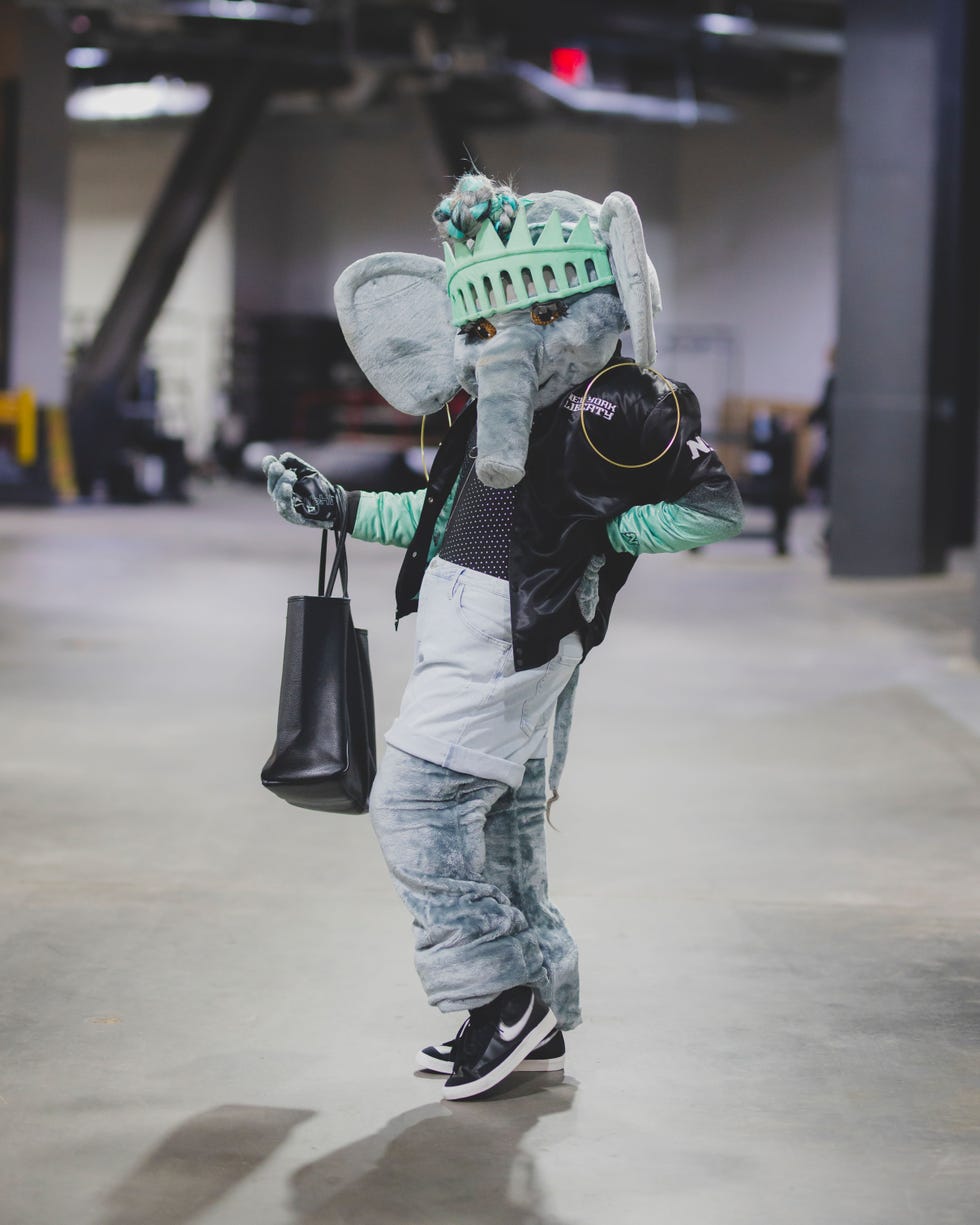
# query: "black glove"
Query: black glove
315,498
303,495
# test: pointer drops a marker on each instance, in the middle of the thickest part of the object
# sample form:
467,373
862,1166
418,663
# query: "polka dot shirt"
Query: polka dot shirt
478,533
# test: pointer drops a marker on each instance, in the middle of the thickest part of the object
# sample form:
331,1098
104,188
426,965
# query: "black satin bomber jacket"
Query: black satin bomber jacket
567,495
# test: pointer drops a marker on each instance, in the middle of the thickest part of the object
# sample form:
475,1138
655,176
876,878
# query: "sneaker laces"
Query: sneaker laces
456,1042
476,1031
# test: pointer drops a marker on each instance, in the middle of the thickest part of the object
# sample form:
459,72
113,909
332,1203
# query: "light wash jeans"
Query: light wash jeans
459,802
465,706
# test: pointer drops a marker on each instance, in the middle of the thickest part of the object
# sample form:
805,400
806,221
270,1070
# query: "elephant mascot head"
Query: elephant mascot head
528,303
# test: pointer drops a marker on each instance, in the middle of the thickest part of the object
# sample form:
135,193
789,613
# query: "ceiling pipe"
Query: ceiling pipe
595,101
746,32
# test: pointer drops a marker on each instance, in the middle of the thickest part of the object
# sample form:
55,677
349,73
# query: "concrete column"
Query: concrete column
889,515
956,275
38,210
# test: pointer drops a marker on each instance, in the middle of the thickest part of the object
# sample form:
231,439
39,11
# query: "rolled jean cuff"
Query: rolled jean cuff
462,977
455,756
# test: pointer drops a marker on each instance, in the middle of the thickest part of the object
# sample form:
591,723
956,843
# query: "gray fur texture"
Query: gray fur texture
468,859
526,366
636,278
395,313
587,593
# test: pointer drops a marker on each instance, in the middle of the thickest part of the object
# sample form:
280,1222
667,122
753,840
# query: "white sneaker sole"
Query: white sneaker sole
542,1065
503,1069
444,1067
428,1063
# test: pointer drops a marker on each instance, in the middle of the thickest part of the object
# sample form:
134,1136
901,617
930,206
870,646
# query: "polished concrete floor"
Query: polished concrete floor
768,848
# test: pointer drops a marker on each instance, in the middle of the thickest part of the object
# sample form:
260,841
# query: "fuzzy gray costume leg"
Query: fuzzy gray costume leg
517,864
471,940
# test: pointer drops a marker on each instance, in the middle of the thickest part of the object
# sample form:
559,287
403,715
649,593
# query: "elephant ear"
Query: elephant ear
394,311
636,277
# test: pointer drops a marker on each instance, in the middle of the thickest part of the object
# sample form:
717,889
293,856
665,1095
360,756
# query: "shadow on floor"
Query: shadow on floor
441,1164
200,1162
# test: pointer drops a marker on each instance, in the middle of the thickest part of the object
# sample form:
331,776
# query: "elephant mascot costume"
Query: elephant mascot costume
566,464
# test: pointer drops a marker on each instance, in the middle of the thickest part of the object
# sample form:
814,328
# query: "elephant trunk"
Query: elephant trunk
507,382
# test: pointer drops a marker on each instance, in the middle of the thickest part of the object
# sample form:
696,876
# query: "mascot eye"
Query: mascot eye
543,313
479,329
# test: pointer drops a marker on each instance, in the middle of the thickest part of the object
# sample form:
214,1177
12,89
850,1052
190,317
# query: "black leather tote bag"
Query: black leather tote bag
324,757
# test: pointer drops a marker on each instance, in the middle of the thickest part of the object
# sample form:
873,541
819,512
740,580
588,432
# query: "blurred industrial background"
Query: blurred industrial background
181,182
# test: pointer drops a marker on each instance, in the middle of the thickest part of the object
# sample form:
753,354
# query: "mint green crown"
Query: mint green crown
495,278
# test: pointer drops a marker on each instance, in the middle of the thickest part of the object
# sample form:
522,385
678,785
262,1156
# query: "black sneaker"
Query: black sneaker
496,1040
547,1056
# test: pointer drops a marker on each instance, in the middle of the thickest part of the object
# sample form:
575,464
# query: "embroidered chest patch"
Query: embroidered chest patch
594,404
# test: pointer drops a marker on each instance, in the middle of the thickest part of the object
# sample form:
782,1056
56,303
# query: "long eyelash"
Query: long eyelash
472,330
554,310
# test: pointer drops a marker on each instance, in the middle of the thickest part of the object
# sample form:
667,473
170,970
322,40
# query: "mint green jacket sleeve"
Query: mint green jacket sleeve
393,518
388,518
669,527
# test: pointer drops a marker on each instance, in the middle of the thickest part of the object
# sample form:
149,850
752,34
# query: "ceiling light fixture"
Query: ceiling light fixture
87,57
138,100
243,10
725,23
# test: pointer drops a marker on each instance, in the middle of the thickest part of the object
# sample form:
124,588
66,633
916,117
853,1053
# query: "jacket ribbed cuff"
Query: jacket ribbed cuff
353,497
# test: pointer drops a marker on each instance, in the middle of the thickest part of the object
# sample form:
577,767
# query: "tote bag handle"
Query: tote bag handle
325,586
